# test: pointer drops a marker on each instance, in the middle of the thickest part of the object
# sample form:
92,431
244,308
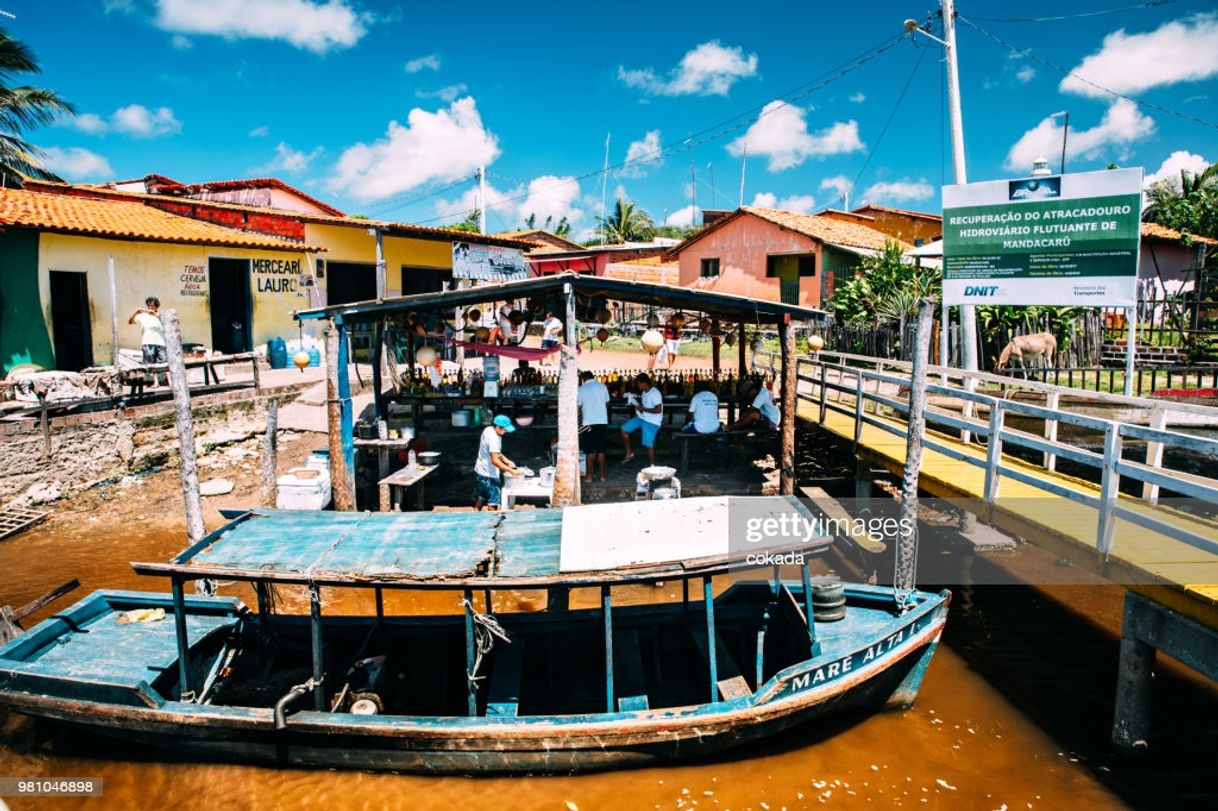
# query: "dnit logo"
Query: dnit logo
974,290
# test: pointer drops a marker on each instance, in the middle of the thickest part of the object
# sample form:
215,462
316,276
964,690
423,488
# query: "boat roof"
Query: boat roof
594,544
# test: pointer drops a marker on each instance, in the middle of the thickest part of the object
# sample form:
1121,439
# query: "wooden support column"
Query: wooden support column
786,334
341,475
471,686
189,468
708,598
319,673
1135,684
607,612
716,341
566,478
378,359
740,349
270,452
907,544
179,627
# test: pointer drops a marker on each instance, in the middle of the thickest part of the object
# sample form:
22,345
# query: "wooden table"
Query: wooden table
383,448
515,487
399,482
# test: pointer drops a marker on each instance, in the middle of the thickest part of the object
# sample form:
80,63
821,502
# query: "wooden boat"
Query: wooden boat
559,690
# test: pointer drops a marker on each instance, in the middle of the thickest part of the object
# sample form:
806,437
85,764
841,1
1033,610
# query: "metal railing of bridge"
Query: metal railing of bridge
857,382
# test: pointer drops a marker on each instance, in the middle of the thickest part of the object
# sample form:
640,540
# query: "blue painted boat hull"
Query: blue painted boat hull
884,668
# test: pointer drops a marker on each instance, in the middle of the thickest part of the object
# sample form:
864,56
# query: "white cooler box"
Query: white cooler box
303,488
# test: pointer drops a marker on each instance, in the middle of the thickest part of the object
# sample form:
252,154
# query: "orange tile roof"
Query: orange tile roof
122,219
923,215
393,228
822,229
1155,231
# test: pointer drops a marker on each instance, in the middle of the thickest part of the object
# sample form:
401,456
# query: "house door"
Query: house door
231,304
71,329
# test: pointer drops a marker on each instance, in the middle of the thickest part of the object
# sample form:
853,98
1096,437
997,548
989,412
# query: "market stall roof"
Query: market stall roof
485,549
722,305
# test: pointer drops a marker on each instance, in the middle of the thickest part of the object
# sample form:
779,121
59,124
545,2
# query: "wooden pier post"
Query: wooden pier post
340,475
189,468
786,335
907,546
566,478
270,453
1135,683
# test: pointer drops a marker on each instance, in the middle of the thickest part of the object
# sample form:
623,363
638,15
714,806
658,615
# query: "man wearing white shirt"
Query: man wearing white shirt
593,399
704,411
762,408
551,332
648,416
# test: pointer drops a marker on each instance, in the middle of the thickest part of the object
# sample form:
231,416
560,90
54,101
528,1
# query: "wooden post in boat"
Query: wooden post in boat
566,478
607,611
907,545
319,673
179,628
340,475
189,468
708,598
786,334
471,686
809,611
270,452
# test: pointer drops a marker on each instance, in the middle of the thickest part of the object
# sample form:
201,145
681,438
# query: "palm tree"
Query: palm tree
627,223
23,108
470,224
1164,194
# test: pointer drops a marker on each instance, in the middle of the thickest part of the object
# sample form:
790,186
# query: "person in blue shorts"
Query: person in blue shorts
491,463
648,415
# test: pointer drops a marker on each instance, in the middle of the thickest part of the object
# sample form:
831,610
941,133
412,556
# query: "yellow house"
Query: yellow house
234,271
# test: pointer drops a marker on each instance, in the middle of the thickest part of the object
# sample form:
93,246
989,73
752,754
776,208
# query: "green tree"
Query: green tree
1189,205
884,289
674,231
627,223
469,224
23,108
561,228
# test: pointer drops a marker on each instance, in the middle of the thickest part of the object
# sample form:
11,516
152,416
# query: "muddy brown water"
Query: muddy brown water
962,746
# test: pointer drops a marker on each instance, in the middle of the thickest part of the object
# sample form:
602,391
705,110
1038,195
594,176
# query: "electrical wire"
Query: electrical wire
403,201
1029,54
1076,16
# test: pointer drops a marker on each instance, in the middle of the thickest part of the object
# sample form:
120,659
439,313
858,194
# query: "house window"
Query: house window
710,266
807,265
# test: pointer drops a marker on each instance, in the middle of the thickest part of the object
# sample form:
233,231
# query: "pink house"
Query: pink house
775,255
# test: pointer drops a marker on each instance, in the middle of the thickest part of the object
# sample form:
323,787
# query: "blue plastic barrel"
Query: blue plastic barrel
314,356
277,353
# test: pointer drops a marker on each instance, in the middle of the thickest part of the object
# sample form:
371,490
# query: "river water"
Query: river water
962,746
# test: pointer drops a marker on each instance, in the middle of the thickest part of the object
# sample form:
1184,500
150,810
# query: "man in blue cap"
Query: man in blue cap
491,463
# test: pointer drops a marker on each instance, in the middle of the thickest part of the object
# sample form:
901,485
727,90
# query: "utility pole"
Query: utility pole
605,176
481,199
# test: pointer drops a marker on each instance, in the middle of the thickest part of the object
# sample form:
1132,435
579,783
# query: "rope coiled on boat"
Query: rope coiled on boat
486,629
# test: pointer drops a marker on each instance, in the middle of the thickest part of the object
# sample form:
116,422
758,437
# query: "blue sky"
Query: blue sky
375,105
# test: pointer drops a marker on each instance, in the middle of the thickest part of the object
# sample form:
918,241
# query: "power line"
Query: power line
1076,16
1067,72
730,125
403,201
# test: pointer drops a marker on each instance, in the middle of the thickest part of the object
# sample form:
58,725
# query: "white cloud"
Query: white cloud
643,155
1177,162
182,43
441,146
75,163
684,217
781,134
448,93
545,196
260,132
1025,74
899,190
800,203
429,62
292,161
134,119
859,97
709,69
1183,50
840,184
308,24
1122,126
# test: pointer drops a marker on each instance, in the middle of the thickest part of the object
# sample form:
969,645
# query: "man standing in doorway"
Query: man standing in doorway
152,335
593,401
551,333
648,416
491,463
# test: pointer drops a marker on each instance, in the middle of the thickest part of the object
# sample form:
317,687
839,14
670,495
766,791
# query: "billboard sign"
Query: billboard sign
488,263
1069,240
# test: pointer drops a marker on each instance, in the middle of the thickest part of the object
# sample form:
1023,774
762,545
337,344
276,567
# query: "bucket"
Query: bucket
277,353
547,476
461,418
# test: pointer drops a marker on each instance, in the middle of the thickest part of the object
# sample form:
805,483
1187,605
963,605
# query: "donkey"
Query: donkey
1041,347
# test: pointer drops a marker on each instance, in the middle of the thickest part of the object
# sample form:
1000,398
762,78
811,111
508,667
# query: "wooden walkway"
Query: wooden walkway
1187,576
